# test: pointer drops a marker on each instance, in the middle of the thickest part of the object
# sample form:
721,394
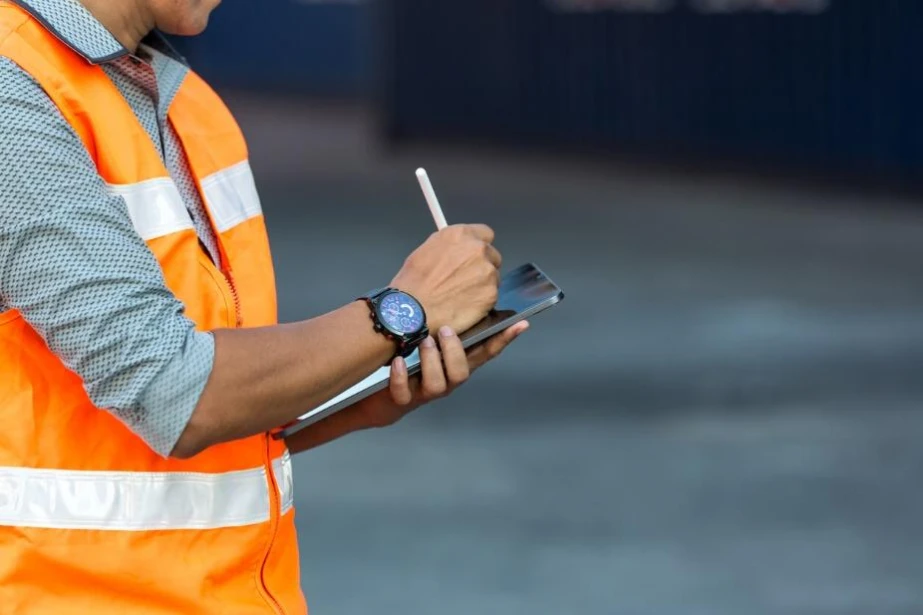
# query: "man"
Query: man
142,371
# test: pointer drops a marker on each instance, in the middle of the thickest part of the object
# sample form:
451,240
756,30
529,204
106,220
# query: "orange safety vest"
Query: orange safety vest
92,521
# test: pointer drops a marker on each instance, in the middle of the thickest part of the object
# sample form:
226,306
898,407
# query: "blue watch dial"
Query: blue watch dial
401,313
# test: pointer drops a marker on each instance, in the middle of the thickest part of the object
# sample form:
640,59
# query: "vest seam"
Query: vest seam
13,31
275,519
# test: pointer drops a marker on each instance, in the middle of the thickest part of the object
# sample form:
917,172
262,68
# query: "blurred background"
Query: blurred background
723,417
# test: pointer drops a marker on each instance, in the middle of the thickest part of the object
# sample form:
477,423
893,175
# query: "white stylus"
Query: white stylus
431,199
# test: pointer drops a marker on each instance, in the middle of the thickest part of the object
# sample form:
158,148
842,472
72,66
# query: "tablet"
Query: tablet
524,292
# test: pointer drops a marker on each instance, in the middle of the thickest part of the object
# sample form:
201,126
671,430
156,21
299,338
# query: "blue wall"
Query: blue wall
285,46
842,89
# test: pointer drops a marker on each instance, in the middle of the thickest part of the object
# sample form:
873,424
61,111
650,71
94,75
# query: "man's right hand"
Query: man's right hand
455,275
264,377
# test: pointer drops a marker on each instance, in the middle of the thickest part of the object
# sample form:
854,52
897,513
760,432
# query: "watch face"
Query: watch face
401,313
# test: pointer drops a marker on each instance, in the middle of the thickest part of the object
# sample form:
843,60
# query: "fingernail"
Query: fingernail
429,342
446,332
400,366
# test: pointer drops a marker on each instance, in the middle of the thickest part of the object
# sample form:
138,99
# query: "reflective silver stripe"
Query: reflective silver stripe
285,479
231,196
155,206
140,501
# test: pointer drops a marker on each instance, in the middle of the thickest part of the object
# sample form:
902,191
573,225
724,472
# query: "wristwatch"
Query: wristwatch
399,317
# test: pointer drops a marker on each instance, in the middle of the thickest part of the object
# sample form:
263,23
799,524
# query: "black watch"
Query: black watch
399,317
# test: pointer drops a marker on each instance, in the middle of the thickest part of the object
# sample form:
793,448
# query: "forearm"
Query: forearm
266,377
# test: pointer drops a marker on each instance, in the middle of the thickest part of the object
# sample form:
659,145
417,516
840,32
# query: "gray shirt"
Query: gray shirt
70,259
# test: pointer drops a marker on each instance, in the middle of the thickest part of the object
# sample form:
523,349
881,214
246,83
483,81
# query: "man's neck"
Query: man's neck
129,21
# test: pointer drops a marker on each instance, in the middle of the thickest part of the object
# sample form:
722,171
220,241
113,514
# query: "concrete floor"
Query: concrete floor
723,418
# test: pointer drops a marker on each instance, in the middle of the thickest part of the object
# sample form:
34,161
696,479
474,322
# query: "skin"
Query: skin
266,377
129,21
407,394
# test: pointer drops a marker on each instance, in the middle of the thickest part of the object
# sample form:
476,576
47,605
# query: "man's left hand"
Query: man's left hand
444,367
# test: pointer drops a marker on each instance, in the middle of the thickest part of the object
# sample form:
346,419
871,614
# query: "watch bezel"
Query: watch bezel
383,325
406,342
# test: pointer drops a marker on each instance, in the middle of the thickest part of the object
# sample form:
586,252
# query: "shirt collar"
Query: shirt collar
76,27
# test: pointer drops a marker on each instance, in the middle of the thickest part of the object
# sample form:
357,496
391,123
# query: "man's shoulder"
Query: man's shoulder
22,98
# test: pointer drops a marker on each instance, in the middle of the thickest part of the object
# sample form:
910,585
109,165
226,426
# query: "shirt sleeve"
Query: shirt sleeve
73,265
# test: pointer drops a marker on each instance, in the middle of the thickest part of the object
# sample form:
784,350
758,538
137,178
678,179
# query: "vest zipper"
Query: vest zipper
229,278
275,514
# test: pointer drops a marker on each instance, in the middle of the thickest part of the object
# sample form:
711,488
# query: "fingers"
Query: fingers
493,255
493,347
481,232
454,359
447,366
434,381
400,383
482,235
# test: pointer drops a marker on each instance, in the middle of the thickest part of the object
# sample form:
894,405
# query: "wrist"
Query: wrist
385,348
398,317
